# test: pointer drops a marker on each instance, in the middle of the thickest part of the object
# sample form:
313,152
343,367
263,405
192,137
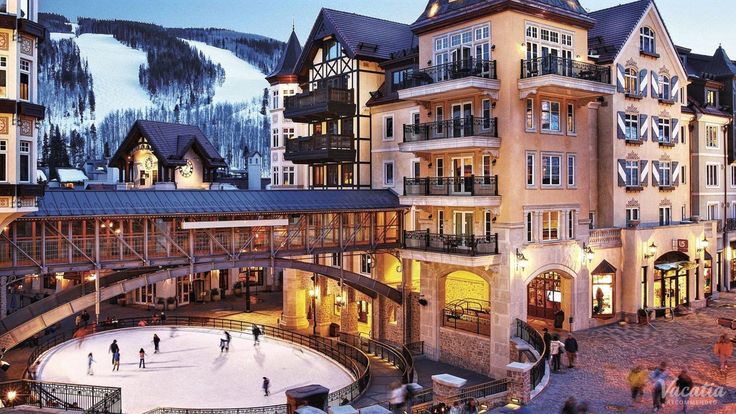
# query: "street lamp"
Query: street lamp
650,251
588,253
702,244
521,261
313,293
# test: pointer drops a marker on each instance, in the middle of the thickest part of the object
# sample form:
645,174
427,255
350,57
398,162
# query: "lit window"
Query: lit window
711,97
631,82
530,114
570,118
550,225
3,76
646,40
365,264
602,294
25,80
711,136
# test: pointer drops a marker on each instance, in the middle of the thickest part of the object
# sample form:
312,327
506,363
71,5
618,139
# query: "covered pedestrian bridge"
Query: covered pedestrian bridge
134,238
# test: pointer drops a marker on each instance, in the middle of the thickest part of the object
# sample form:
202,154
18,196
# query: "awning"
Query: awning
683,265
604,268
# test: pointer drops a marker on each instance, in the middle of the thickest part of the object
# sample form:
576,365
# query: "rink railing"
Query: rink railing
61,396
345,354
400,358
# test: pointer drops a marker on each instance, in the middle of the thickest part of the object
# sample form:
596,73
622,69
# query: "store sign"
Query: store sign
681,245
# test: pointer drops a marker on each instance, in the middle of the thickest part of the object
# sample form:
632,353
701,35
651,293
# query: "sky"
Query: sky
687,20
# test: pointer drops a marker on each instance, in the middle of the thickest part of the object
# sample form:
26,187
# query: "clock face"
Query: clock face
148,163
186,171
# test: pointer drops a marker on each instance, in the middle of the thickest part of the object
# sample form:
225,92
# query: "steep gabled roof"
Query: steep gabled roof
288,60
613,27
449,11
170,142
363,37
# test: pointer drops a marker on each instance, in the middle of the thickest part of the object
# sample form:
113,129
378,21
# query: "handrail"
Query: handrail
452,128
554,65
448,71
77,397
384,351
318,96
321,142
465,244
535,339
345,354
471,185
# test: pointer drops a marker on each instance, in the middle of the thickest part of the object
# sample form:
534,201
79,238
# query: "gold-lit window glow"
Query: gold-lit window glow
433,9
602,294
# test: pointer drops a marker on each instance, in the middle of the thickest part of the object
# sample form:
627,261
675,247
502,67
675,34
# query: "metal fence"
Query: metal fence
345,354
464,244
75,397
394,356
533,337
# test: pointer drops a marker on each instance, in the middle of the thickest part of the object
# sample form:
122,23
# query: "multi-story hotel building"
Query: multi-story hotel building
284,173
19,109
543,156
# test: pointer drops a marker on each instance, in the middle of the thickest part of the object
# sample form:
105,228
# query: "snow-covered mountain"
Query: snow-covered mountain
97,77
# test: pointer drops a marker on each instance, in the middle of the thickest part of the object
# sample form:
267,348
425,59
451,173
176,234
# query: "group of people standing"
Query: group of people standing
554,349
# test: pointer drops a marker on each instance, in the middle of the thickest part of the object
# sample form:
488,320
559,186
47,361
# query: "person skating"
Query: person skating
684,385
114,348
90,361
266,386
156,341
256,333
637,380
227,341
723,350
547,342
658,378
571,349
556,348
116,361
142,359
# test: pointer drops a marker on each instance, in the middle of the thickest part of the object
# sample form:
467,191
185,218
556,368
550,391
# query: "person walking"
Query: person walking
456,409
547,342
90,361
658,378
156,341
116,361
571,349
637,380
114,348
684,385
398,393
266,386
723,349
227,340
142,359
556,349
256,333
570,406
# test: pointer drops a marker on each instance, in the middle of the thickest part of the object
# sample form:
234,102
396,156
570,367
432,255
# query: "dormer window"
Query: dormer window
647,42
331,50
631,81
711,97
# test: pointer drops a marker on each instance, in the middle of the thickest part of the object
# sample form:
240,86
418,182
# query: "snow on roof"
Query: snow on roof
71,175
41,176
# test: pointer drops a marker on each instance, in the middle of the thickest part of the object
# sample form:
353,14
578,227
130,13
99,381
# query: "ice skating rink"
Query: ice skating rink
189,371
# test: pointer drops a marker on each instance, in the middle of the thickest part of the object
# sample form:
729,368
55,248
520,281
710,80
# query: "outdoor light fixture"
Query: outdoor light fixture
521,261
702,244
650,251
588,252
11,397
339,300
312,293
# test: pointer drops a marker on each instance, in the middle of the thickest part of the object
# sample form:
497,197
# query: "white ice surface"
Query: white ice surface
190,371
243,81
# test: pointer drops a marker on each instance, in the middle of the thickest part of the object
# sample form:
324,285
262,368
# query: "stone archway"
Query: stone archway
465,300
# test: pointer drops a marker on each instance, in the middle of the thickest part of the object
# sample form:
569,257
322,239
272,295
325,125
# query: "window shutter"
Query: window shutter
643,82
675,173
655,85
621,132
675,88
643,172
655,129
643,127
620,78
675,130
622,173
655,173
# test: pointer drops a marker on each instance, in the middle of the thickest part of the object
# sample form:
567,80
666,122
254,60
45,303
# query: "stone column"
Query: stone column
521,381
294,300
349,314
501,322
324,304
445,387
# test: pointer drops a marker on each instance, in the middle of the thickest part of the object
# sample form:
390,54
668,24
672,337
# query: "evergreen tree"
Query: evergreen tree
264,102
45,150
106,150
177,114
91,99
81,108
58,155
76,148
93,141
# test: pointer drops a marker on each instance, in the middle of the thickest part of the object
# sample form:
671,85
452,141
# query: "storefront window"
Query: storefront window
708,277
602,294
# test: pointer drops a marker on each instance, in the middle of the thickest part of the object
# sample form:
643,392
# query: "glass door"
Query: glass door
463,231
461,58
183,290
462,170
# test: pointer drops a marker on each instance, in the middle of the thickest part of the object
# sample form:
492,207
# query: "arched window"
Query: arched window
646,40
631,79
664,87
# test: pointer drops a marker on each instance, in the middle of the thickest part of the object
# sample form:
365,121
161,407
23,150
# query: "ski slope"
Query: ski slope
114,68
190,371
243,81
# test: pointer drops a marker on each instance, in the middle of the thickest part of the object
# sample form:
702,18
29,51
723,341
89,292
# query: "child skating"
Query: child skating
142,360
156,341
90,361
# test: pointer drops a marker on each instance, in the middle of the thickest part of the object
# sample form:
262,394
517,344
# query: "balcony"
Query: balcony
456,244
319,104
471,191
451,80
555,75
731,224
455,134
320,148
20,197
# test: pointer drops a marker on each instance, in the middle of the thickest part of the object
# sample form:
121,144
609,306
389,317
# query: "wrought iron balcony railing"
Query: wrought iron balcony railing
449,71
553,65
451,128
451,186
464,244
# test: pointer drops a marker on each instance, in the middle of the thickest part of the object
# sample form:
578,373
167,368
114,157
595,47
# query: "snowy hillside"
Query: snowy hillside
243,81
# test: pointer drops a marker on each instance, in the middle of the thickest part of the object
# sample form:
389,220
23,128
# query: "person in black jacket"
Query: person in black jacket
547,343
571,348
114,348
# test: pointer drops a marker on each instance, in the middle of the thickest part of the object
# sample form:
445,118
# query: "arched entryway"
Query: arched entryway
671,279
466,302
549,297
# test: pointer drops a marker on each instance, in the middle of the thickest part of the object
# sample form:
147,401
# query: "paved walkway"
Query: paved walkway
608,353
